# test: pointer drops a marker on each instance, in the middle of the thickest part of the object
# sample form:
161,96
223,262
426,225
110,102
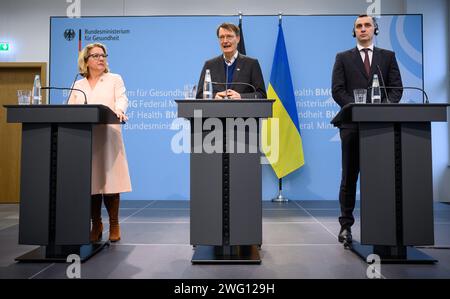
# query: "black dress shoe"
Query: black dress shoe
345,236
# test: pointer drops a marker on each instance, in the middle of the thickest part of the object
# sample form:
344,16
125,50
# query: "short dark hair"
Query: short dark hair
229,26
366,16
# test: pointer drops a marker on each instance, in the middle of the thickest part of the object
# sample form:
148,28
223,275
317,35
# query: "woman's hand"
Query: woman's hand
121,116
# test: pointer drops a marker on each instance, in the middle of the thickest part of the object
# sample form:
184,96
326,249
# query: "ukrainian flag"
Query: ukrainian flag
290,147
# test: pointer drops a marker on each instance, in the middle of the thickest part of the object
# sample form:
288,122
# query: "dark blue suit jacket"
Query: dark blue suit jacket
349,74
247,70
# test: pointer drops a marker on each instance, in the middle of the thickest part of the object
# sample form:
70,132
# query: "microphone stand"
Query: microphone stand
71,88
226,79
237,83
424,101
66,88
382,82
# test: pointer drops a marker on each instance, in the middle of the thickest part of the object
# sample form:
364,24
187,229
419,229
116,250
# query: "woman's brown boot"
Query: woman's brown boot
96,216
112,205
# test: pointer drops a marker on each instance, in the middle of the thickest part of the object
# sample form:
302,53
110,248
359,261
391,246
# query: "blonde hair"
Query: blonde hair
84,56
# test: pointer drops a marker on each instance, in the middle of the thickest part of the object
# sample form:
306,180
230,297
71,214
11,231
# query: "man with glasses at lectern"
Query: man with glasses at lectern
233,75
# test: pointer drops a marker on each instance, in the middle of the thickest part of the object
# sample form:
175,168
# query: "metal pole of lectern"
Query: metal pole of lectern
280,197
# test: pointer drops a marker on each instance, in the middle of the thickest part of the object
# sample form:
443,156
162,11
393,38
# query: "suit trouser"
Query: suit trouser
350,171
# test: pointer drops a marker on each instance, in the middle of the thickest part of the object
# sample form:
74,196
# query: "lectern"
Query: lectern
396,184
225,178
55,182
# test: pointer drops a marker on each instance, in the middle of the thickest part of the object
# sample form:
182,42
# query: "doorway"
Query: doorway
14,76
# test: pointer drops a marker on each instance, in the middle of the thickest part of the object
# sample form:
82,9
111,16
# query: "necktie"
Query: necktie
366,61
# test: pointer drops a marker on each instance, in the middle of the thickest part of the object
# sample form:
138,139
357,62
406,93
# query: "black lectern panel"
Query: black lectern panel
418,225
407,113
60,114
206,199
391,113
225,108
245,195
35,174
377,175
73,187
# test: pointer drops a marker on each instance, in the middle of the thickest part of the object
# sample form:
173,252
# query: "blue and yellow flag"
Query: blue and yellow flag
283,129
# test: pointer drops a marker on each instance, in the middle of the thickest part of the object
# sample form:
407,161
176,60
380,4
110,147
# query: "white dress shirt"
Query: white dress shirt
360,49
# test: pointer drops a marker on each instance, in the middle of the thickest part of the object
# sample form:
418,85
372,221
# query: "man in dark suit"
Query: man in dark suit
233,67
354,69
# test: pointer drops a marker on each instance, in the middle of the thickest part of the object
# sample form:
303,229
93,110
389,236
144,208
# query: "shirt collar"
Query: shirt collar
233,59
361,47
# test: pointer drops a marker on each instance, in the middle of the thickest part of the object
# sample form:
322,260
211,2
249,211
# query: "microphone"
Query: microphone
424,101
226,79
74,80
237,83
382,82
66,88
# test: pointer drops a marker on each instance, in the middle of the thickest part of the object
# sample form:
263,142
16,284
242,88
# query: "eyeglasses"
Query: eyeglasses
226,37
97,56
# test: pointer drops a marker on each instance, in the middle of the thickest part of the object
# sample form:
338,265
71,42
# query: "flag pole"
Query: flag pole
280,197
241,45
79,41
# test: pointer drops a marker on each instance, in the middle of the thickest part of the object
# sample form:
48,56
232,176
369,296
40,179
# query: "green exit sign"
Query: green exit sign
4,46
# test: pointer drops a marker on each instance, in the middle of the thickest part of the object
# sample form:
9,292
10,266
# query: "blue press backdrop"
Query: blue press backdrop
159,56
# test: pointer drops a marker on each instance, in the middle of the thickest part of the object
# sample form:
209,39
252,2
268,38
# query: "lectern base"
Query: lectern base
411,256
59,254
247,254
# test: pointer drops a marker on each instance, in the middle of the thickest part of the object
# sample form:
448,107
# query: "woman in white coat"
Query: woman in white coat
110,175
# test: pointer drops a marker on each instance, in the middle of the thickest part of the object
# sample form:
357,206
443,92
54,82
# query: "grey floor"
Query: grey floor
299,241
